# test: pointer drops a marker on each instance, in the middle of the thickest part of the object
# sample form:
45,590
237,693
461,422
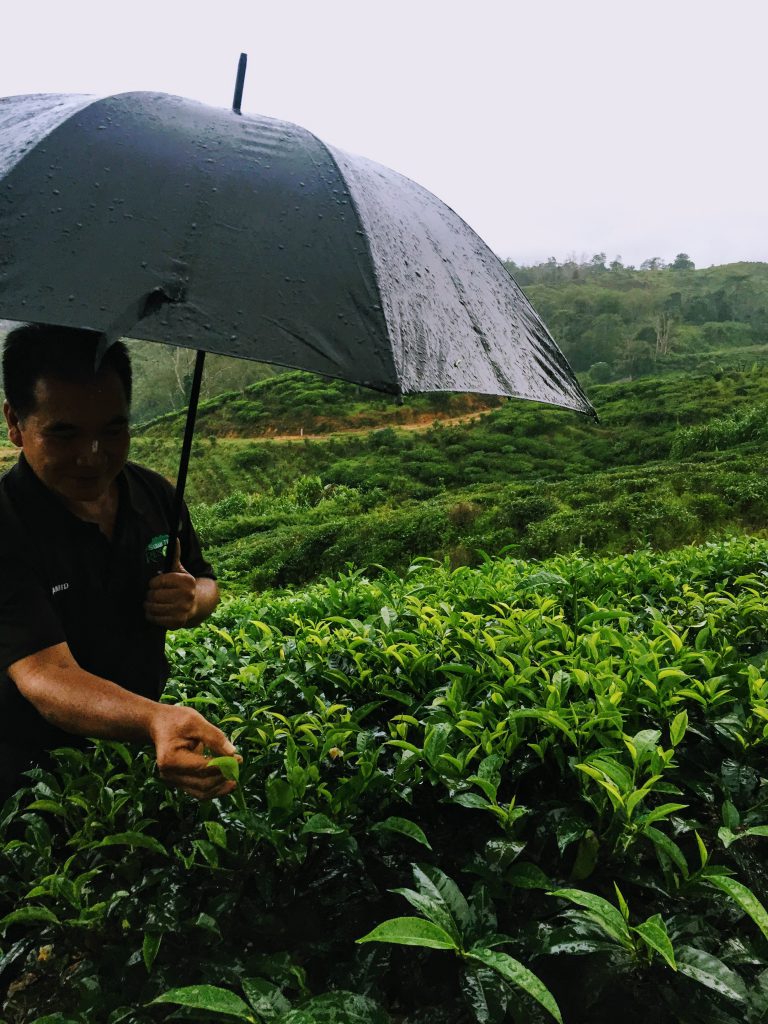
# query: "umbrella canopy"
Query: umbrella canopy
153,216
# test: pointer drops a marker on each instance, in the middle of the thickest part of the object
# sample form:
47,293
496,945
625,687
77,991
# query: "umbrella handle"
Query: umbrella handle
186,448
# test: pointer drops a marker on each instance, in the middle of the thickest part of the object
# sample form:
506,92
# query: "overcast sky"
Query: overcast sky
554,127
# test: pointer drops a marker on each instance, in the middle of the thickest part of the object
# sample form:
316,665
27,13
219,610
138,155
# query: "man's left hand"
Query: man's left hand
172,599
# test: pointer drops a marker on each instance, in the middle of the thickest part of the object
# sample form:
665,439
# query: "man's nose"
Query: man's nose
90,453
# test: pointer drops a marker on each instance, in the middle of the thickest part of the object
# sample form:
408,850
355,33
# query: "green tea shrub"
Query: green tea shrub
553,772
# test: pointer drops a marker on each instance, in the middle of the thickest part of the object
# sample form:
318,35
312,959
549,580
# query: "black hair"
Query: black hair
34,351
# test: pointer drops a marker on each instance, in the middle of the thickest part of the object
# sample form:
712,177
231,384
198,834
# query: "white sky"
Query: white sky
554,127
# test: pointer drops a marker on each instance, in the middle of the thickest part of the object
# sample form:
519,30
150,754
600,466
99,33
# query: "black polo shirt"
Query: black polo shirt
63,581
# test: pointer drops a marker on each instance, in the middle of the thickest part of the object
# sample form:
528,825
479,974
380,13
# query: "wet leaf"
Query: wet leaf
209,998
411,931
404,827
515,973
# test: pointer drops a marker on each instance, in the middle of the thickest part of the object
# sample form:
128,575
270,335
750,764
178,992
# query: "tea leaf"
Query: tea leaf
228,766
678,727
133,839
27,914
210,998
513,971
404,827
654,933
411,931
149,948
601,912
745,898
711,972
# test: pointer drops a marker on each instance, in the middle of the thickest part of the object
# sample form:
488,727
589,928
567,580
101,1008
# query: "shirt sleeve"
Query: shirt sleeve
28,621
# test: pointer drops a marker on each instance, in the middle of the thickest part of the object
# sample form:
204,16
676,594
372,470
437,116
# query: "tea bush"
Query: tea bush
520,791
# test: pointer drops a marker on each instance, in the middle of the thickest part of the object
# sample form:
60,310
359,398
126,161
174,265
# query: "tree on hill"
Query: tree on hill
682,262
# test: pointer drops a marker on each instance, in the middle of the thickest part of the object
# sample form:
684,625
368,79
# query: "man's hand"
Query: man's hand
176,599
181,736
172,598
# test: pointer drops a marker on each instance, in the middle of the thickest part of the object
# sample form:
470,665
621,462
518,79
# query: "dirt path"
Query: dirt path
423,424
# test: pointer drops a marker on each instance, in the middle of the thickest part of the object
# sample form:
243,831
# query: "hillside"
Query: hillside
674,459
295,475
615,321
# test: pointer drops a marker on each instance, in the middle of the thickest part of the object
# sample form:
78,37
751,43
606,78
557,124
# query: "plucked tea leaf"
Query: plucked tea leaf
228,766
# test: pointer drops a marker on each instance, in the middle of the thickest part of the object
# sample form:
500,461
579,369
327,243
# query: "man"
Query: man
83,611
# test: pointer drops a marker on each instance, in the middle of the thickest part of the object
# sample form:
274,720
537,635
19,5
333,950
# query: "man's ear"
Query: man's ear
14,425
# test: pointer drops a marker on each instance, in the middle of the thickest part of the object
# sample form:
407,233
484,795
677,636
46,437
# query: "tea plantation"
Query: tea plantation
517,791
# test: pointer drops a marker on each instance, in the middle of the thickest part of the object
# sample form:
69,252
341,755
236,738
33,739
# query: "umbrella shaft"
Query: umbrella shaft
239,83
186,448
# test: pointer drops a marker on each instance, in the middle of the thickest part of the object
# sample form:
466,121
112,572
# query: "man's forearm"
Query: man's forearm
87,705
82,703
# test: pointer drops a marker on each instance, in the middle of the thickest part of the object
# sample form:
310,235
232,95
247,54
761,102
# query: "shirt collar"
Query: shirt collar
45,509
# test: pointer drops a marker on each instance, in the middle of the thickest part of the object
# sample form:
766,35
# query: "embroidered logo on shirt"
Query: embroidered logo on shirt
58,587
155,552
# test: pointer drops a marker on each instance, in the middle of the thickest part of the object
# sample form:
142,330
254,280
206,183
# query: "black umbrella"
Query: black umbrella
148,215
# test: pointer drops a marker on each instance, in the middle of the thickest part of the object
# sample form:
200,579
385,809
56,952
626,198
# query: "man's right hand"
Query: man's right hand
76,701
181,736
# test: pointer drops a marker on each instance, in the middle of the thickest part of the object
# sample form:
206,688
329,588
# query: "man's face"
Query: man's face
76,440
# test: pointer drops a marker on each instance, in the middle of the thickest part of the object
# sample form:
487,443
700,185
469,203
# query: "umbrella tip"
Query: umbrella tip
239,82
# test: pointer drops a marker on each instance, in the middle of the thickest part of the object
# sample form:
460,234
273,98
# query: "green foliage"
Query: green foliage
575,749
642,321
